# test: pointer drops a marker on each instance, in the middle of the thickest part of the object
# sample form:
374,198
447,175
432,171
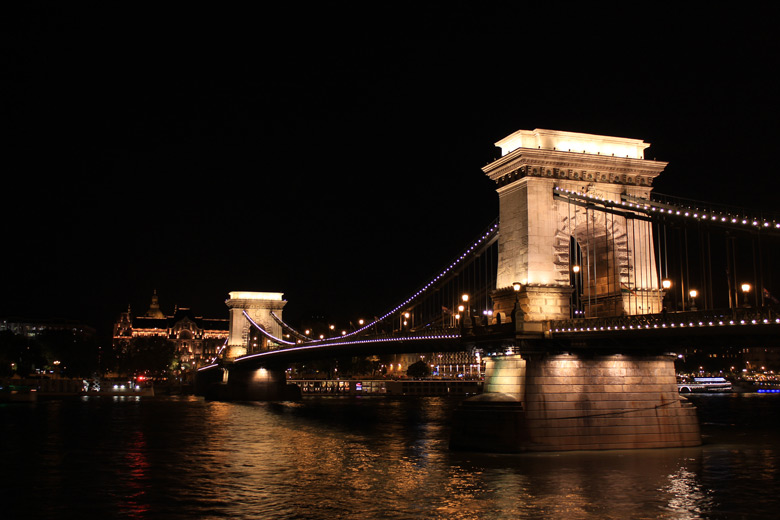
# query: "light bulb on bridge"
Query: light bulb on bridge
575,269
465,298
666,284
746,287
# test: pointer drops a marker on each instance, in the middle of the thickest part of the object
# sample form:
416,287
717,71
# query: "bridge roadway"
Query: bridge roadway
648,333
743,327
444,340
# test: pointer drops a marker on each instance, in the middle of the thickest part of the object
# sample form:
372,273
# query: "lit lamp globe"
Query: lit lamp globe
467,316
666,284
745,290
517,311
694,293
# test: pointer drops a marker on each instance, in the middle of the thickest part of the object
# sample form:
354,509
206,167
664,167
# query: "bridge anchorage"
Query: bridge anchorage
565,307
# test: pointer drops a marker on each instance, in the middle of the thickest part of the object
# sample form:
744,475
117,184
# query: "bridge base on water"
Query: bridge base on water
570,402
229,383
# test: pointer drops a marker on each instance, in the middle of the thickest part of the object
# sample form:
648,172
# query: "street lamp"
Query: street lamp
666,284
745,290
693,293
517,312
467,319
575,269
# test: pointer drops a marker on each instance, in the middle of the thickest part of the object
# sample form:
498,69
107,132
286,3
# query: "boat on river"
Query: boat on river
704,385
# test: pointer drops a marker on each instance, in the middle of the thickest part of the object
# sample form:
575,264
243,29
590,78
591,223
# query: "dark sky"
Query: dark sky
333,154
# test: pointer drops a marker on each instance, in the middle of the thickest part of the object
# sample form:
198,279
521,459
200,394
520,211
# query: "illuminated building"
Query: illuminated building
197,339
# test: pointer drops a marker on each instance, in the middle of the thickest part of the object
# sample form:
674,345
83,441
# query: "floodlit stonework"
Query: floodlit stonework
605,402
552,398
617,255
259,306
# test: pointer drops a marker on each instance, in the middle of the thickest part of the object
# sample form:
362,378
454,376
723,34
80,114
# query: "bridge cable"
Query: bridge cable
484,241
294,332
265,333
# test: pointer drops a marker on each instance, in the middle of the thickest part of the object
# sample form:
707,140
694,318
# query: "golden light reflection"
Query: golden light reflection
686,493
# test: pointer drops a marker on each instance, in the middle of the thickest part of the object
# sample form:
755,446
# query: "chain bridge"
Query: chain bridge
578,297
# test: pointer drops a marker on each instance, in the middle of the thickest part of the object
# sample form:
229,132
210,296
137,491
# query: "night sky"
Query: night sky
334,154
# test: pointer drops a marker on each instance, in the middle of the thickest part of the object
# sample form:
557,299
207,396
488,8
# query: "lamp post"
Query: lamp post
693,294
467,307
517,312
666,284
575,269
745,290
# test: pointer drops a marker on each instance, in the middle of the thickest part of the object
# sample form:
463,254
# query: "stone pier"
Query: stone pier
573,402
234,383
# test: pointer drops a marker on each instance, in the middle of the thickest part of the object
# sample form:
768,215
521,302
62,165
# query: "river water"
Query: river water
362,458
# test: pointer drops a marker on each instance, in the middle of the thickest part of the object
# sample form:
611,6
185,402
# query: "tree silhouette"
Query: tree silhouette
418,369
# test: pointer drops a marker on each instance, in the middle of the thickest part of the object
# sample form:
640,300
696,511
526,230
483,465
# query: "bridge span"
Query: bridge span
578,298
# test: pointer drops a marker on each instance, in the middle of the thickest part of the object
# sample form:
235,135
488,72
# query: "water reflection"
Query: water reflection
687,498
361,458
134,502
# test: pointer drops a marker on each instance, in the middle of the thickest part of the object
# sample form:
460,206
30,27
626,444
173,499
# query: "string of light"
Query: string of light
679,211
281,322
265,332
665,325
490,233
437,337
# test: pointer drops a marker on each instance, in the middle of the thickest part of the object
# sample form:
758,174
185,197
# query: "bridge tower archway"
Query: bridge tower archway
259,306
536,225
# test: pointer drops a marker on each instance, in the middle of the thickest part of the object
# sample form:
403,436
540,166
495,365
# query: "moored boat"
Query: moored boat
704,385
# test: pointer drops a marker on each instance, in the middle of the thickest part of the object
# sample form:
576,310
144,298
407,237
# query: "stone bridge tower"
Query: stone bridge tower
259,306
543,237
575,396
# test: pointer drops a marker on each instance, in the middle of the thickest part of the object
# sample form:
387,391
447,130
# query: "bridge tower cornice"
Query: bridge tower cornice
573,166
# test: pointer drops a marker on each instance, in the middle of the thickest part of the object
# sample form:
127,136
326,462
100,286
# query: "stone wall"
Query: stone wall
584,403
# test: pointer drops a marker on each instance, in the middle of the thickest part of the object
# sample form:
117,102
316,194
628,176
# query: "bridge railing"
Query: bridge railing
742,315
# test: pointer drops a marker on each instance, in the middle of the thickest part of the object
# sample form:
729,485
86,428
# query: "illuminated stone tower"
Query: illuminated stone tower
259,306
543,237
574,396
